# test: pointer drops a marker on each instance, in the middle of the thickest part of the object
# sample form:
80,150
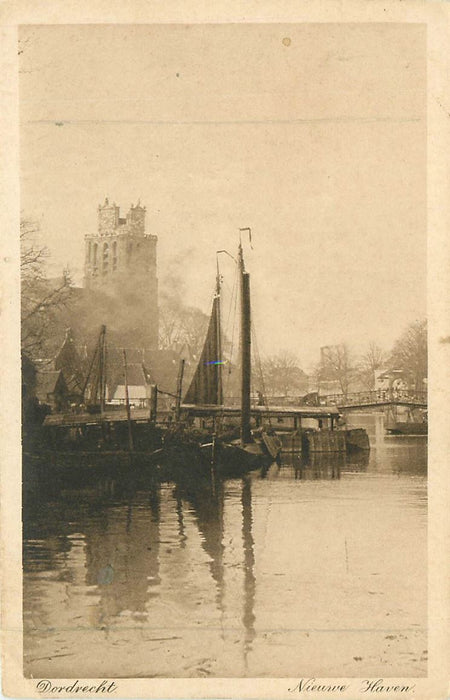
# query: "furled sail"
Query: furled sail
206,385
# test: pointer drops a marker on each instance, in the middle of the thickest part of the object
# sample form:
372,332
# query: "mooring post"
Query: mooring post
127,403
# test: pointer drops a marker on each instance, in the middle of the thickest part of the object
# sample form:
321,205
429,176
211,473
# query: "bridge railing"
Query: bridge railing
380,396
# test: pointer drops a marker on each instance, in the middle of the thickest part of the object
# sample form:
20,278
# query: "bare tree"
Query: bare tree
180,326
337,365
41,297
169,324
194,327
410,353
375,358
282,375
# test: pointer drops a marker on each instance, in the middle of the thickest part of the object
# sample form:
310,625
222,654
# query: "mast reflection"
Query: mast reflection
248,616
122,555
206,501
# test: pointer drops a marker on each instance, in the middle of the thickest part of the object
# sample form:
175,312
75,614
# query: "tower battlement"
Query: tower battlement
110,222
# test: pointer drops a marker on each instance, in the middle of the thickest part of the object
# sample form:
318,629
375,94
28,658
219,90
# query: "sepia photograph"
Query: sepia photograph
224,355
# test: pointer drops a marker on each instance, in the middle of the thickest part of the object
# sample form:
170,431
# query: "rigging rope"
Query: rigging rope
234,297
258,364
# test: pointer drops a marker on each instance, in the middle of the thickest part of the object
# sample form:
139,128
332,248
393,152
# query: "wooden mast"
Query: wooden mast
103,369
97,370
179,389
219,338
127,403
245,349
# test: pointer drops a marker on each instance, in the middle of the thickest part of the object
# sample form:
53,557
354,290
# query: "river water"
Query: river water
314,570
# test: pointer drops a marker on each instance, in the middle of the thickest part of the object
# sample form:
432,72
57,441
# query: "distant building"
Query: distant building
392,379
51,389
145,367
120,263
138,386
68,360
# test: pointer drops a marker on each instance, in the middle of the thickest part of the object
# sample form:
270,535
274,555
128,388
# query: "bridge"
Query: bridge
373,399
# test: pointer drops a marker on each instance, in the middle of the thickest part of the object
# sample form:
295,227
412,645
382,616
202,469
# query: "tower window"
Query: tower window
114,252
105,258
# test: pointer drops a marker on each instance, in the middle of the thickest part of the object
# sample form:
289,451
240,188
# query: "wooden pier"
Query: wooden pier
287,416
301,429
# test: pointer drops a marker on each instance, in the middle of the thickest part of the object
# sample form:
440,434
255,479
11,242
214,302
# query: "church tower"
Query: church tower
120,263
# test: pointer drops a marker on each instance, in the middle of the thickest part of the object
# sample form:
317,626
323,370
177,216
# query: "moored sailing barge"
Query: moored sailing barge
203,432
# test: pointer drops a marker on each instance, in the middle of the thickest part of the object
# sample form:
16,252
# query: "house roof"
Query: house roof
137,376
47,382
146,367
134,392
391,373
69,361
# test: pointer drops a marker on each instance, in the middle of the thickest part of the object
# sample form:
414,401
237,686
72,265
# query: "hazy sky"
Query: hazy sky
314,135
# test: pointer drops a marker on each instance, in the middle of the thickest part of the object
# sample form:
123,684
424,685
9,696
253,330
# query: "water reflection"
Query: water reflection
227,578
248,617
320,465
122,557
206,503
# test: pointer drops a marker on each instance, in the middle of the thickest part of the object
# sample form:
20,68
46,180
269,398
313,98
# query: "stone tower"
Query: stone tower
120,262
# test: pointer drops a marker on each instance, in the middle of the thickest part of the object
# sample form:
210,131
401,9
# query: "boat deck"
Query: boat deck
142,414
266,411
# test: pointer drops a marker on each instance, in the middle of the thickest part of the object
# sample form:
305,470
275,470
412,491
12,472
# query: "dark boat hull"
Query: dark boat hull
193,462
198,451
247,457
335,441
407,428
46,465
356,439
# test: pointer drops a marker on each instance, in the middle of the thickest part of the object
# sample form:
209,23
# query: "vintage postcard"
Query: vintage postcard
226,351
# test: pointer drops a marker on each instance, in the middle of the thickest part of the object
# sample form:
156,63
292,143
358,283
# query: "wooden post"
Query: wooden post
103,369
127,403
179,389
153,402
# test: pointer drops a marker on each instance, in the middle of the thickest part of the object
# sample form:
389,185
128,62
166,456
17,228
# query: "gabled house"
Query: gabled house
68,360
139,383
51,389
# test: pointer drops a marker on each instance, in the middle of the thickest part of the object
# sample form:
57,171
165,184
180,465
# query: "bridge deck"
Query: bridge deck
373,399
